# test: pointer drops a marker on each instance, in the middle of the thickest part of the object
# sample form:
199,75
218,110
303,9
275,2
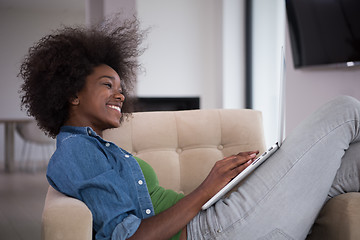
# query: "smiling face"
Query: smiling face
98,104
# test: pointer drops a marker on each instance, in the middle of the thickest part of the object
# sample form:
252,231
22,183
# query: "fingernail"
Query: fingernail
253,155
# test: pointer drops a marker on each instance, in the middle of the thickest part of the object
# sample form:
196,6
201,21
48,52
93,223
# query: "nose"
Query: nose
119,96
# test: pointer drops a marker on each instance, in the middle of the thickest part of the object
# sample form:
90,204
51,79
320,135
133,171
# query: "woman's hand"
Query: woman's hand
224,170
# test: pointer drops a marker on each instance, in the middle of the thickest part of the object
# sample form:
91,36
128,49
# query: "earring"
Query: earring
76,101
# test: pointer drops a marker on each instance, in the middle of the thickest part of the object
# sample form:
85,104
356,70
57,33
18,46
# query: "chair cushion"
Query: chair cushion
339,219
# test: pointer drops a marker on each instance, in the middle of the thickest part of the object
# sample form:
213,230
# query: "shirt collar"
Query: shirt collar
78,130
66,131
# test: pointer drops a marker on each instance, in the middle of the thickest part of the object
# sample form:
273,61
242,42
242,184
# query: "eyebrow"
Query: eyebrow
106,76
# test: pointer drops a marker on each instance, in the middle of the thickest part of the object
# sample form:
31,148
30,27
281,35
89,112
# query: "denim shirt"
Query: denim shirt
105,177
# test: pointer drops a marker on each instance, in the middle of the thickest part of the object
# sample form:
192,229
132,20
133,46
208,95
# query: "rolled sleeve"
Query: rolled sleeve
126,228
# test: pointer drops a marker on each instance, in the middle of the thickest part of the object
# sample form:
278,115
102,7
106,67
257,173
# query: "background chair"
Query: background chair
34,139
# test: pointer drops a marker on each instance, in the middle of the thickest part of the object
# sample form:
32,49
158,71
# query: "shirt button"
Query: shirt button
127,156
89,131
148,211
140,182
107,144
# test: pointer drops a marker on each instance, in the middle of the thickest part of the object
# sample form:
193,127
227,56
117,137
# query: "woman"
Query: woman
76,84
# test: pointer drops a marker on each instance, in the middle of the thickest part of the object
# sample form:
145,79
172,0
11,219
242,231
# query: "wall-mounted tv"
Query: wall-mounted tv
324,32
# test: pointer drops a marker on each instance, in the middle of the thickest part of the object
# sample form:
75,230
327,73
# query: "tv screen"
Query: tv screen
324,32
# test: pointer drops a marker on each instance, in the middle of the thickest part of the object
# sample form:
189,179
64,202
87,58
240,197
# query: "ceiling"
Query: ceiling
73,5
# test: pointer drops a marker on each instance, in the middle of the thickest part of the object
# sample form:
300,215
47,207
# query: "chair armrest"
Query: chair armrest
339,219
65,218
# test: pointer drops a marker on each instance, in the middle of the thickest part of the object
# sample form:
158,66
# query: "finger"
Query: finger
240,160
241,167
256,152
248,153
235,161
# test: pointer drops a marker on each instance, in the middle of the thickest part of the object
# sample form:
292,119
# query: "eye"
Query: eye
108,85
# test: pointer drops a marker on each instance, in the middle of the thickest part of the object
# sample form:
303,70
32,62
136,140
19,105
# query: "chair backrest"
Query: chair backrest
30,132
182,146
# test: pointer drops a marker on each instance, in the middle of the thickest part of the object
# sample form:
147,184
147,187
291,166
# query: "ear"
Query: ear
75,101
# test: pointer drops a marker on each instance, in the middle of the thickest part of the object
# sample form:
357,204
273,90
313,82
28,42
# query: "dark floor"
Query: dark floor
22,196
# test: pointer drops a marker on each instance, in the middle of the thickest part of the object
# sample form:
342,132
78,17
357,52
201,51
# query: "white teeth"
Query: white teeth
115,107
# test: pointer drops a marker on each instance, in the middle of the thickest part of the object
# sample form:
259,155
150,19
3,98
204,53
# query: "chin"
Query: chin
116,124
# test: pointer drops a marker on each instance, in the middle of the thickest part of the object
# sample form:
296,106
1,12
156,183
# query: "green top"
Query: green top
161,198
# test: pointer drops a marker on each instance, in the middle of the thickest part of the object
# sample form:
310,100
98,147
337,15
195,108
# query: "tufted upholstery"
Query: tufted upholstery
183,146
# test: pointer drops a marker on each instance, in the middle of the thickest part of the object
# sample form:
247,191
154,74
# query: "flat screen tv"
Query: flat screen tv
324,32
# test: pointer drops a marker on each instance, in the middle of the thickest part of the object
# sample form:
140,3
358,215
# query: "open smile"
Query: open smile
115,107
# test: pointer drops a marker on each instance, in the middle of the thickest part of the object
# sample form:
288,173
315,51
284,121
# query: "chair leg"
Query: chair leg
22,164
46,155
30,163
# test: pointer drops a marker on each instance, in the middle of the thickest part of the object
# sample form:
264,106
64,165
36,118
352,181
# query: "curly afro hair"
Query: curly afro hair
55,68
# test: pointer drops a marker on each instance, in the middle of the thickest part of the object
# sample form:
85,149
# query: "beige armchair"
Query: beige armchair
182,147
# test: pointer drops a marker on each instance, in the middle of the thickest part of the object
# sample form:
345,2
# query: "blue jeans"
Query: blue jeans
281,199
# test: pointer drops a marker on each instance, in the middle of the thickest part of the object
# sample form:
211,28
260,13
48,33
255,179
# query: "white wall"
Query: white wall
20,28
184,50
309,88
187,46
234,62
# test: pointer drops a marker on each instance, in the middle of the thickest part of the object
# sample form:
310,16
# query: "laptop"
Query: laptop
264,156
